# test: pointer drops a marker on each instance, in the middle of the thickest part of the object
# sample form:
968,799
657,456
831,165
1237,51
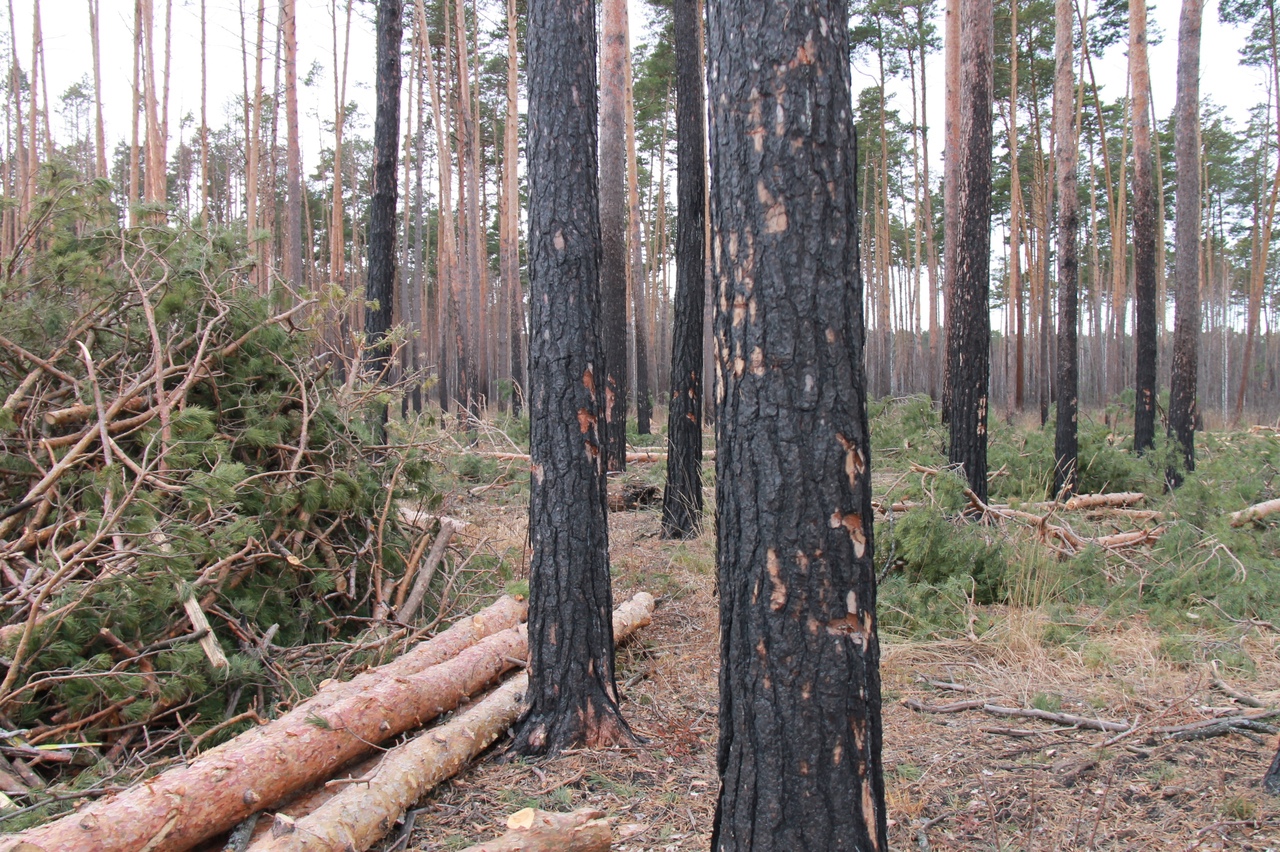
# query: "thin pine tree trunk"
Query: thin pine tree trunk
1144,234
613,230
644,362
1186,237
1066,476
99,135
513,300
682,497
968,311
293,153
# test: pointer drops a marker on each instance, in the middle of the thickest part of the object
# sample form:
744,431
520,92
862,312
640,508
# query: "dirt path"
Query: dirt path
956,781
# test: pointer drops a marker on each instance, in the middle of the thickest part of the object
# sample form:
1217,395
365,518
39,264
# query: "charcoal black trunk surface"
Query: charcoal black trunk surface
572,692
682,498
382,208
968,308
800,715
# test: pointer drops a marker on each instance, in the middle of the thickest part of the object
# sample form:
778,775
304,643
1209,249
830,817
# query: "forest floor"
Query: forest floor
962,780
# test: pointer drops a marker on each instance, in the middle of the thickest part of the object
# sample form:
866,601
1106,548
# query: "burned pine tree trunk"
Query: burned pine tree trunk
1144,234
1186,240
572,693
800,714
682,498
1066,445
968,302
380,286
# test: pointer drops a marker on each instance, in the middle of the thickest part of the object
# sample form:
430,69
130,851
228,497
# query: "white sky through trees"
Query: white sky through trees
69,59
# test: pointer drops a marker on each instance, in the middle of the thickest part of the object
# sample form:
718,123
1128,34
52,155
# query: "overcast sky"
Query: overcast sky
69,58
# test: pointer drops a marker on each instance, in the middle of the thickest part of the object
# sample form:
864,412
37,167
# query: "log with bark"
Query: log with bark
361,813
262,767
531,830
1256,512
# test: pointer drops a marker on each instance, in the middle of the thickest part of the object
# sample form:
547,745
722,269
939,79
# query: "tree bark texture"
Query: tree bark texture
1144,234
573,695
192,803
361,814
1186,239
968,303
613,231
800,717
380,286
1066,475
682,497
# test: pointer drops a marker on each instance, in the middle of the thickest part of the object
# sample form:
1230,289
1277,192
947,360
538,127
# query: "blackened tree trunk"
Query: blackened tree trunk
800,715
1144,234
382,210
968,308
1271,781
1066,442
1186,239
682,498
572,693
613,230
950,186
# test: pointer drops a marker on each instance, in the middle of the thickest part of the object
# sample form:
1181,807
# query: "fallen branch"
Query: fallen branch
1226,723
1240,697
359,815
423,580
1057,718
1256,512
265,765
1022,712
532,830
954,707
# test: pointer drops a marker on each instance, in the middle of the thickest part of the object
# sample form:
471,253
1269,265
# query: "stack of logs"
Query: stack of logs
319,773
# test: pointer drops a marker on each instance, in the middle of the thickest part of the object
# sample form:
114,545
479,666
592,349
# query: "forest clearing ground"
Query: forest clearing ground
952,783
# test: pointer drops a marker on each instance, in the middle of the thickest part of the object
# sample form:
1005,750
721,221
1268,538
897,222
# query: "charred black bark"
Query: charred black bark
800,715
1186,241
382,209
682,498
968,306
1066,437
1271,781
572,692
1144,239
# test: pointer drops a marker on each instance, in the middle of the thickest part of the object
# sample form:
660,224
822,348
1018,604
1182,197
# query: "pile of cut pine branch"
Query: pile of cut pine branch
190,481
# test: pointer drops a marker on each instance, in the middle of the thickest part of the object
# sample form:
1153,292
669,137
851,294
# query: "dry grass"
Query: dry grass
953,781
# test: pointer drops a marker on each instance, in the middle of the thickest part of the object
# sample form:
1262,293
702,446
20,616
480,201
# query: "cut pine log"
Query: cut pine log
531,830
1256,512
1096,501
261,767
363,812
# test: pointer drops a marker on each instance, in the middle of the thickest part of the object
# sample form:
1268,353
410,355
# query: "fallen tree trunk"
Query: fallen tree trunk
1256,512
531,830
261,767
361,813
